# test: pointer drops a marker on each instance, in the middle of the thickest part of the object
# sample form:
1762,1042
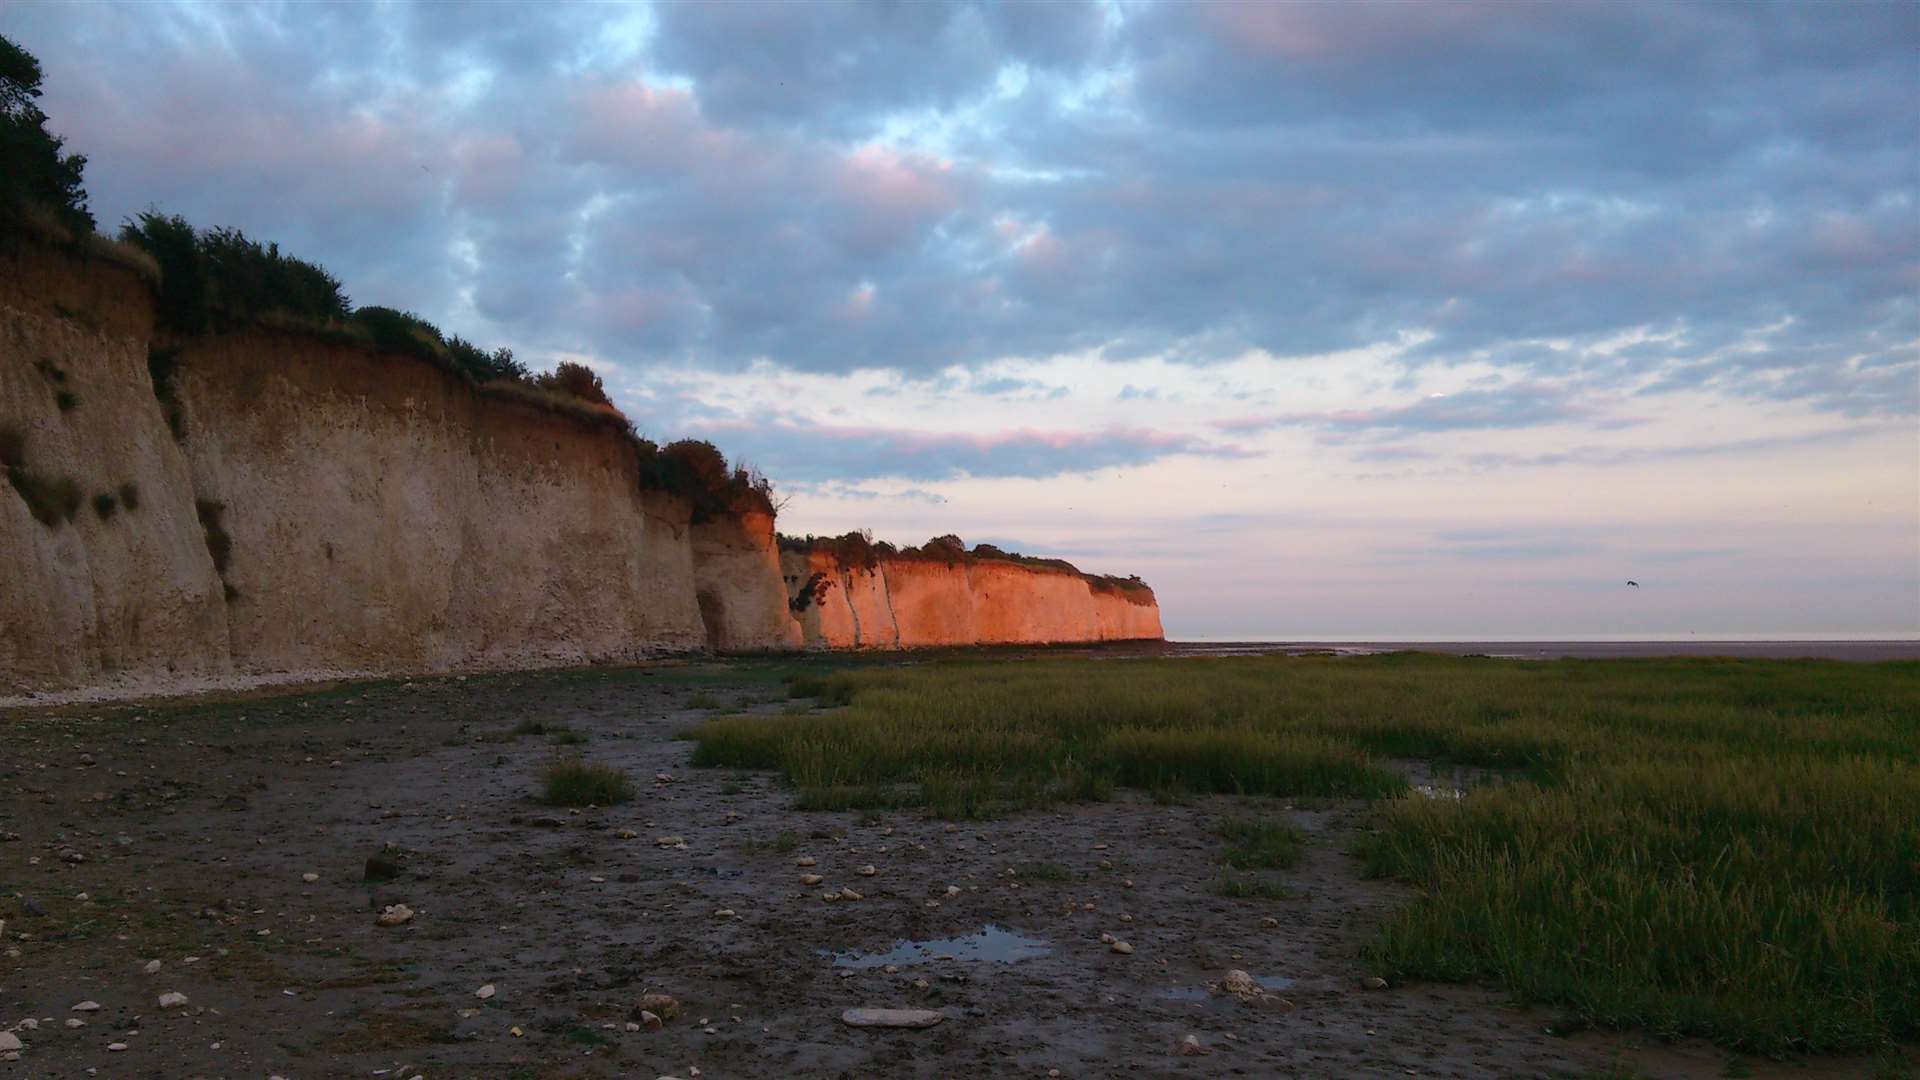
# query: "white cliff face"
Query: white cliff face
385,515
737,580
132,594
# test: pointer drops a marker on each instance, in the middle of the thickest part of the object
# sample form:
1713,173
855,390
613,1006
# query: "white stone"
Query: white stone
484,992
891,1018
152,966
87,1006
10,1042
394,915
172,999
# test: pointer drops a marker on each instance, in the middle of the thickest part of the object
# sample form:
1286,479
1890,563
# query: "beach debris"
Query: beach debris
892,1018
662,1006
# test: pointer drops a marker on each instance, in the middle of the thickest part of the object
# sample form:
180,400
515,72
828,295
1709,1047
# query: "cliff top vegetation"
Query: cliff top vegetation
859,550
218,279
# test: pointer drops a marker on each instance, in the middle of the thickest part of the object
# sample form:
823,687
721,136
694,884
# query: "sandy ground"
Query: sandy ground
182,834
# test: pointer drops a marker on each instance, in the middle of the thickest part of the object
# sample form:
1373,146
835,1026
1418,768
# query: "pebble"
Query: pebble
626,834
849,894
152,966
805,860
1237,982
953,890
75,1022
1269,922
86,1006
724,913
811,879
484,992
891,1018
172,999
1190,1046
10,1042
670,841
394,915
866,871
309,877
1374,982
116,1047
1121,947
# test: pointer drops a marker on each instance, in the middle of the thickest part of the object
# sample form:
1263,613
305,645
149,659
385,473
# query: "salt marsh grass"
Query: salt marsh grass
1724,848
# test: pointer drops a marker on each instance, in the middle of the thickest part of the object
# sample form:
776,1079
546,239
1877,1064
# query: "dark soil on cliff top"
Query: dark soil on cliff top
182,834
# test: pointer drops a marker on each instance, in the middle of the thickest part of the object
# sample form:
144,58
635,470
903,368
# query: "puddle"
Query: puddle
1190,993
991,943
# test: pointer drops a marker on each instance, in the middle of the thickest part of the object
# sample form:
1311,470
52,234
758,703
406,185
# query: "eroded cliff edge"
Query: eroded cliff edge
262,500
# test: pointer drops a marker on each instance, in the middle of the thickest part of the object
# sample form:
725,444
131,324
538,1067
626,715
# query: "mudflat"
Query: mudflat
242,852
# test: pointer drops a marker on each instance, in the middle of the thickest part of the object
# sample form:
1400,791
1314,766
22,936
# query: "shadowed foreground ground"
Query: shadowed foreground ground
181,835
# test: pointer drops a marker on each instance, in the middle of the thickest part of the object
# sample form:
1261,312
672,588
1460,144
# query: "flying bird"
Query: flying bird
1635,584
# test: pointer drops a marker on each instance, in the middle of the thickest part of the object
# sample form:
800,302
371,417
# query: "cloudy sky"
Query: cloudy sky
1336,320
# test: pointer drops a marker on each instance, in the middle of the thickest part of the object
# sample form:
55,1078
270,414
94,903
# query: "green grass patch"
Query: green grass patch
1236,887
1690,846
50,499
569,781
1262,845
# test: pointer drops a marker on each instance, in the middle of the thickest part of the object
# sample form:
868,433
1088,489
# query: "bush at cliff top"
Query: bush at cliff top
34,173
219,276
1691,846
859,550
696,469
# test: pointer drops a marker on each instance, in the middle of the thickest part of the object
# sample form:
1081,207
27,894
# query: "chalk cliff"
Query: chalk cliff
886,599
261,501
86,588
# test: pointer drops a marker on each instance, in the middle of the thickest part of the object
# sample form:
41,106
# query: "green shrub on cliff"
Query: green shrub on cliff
50,499
218,277
695,469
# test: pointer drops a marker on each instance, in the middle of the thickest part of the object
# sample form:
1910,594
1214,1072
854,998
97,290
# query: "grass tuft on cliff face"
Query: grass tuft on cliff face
1708,847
